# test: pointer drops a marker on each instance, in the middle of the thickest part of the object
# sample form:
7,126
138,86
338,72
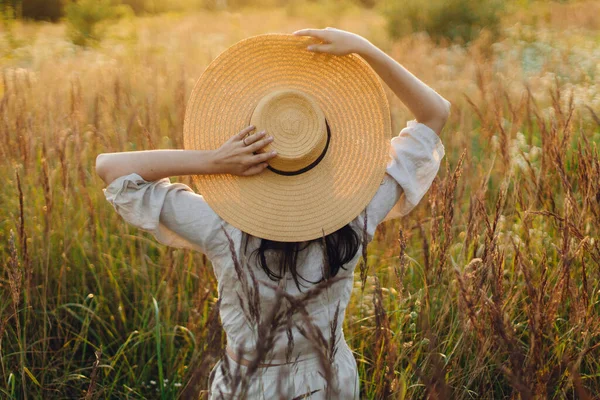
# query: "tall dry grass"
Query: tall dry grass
489,289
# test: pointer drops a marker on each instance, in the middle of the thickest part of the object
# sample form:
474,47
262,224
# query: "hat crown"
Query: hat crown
298,126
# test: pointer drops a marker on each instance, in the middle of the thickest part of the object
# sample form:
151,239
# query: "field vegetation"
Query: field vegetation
489,289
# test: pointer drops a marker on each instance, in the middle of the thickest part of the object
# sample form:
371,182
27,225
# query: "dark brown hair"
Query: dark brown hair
339,248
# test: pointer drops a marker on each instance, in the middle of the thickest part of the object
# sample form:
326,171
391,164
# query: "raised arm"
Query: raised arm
425,103
416,152
233,157
139,188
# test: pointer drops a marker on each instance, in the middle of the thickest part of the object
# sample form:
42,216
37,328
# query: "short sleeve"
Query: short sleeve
415,158
172,212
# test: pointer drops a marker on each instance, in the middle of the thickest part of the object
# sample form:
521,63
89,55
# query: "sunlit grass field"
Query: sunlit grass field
489,289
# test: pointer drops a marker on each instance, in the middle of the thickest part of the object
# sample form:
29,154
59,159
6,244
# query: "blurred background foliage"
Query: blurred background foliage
487,294
458,21
86,19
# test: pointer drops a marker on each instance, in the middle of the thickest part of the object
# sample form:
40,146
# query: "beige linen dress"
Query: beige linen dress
178,217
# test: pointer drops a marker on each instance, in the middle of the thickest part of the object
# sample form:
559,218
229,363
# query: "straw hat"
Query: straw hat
330,120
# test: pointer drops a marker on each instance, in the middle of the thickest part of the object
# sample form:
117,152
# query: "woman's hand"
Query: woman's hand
233,157
425,103
336,41
236,157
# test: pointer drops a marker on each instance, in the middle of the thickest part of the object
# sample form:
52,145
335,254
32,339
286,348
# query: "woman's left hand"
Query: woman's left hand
336,41
236,156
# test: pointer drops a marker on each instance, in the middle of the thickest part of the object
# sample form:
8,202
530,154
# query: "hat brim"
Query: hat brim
323,199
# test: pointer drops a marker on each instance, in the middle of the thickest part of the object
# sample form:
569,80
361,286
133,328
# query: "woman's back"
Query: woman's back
258,315
282,300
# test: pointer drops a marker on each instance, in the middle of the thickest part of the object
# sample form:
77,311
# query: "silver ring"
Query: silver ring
244,140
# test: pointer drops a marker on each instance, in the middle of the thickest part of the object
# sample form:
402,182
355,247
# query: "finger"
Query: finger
258,144
256,169
262,157
321,48
318,33
253,138
244,132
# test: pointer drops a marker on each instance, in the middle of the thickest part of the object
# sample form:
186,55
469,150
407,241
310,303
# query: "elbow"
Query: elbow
102,167
443,112
440,116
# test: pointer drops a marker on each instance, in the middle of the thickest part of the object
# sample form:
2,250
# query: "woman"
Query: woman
301,351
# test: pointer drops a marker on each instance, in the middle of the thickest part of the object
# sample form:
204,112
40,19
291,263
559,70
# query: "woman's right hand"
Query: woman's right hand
236,156
336,41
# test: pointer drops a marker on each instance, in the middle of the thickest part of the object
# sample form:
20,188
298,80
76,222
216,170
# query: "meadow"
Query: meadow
489,289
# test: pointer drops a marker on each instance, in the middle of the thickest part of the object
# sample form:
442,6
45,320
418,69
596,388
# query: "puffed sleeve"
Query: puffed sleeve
172,212
415,157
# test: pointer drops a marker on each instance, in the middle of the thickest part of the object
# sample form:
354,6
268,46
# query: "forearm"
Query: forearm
152,165
426,104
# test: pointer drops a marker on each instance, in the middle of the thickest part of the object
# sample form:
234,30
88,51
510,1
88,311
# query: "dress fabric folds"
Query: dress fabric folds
178,217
